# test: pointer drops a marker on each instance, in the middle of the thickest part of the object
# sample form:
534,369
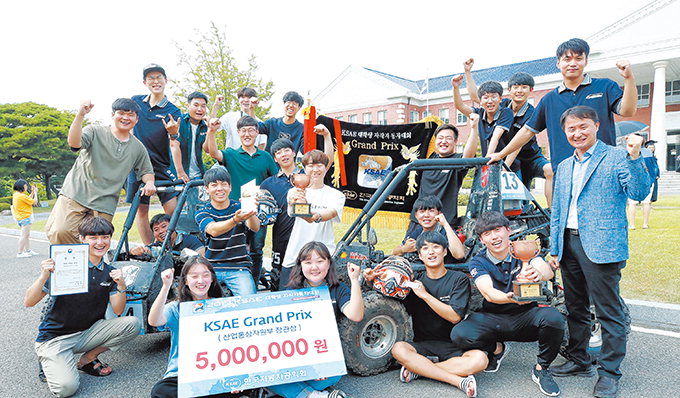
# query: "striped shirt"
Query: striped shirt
228,250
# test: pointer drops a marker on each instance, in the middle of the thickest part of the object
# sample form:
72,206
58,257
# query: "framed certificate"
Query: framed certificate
70,269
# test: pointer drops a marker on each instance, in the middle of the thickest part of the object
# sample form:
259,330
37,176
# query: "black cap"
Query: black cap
650,142
153,68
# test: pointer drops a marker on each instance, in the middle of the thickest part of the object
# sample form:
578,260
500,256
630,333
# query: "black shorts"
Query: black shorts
532,168
441,349
133,185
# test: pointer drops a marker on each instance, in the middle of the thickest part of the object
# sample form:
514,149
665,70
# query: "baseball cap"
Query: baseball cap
153,68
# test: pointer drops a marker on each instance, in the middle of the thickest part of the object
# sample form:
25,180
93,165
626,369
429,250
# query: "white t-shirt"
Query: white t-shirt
228,124
304,232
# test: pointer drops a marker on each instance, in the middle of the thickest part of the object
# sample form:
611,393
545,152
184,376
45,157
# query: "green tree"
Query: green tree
33,142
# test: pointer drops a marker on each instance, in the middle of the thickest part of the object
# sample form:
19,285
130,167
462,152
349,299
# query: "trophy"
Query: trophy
523,288
302,181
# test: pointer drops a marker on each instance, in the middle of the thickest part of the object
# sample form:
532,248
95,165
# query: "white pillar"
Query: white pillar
658,122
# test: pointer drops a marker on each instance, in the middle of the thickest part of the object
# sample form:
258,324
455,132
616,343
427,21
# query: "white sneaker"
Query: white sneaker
32,253
318,394
23,255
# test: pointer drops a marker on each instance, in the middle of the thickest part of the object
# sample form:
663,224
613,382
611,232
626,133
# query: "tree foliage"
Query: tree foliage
209,66
33,141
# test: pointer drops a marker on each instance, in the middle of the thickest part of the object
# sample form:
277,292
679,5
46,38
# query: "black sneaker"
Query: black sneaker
496,359
545,382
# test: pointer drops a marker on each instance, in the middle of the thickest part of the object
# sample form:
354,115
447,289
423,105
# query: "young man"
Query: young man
247,100
286,126
244,165
225,225
159,226
428,211
647,153
532,163
577,88
92,186
326,207
158,124
503,318
187,149
74,323
437,302
278,185
589,241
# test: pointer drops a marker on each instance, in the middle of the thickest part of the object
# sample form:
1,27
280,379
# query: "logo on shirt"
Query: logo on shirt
473,272
596,95
105,284
445,299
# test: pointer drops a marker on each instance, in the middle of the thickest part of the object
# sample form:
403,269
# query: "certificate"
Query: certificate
70,269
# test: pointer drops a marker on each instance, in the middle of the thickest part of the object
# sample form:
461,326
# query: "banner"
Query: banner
371,152
245,342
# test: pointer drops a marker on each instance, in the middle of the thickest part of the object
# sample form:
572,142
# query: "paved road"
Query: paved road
651,368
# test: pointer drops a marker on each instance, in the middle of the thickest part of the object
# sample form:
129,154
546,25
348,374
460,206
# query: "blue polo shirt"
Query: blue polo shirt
243,168
228,250
603,95
503,119
151,131
278,185
530,150
186,143
276,128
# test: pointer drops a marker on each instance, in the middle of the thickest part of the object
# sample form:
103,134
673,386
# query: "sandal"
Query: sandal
469,386
94,370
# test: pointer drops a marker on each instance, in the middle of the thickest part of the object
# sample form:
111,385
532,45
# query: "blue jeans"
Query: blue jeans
302,388
256,242
239,281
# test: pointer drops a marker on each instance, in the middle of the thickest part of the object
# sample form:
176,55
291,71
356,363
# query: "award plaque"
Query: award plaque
523,288
301,209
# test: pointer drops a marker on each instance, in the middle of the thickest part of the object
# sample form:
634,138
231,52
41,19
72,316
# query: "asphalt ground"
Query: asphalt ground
651,368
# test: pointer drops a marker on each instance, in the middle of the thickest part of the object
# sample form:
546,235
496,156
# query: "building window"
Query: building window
643,95
352,118
382,117
340,118
444,114
414,116
461,118
673,91
426,114
368,118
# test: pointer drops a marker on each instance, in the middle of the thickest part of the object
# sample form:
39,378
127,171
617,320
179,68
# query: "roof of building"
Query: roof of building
538,67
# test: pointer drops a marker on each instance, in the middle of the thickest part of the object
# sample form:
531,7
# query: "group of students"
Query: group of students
592,178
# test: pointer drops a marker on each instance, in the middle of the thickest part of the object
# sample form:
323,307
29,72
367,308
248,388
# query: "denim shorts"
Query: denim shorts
26,221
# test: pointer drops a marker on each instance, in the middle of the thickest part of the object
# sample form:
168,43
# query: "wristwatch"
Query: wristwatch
173,136
318,220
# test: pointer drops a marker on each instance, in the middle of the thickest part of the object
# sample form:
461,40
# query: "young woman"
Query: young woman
197,282
22,210
313,267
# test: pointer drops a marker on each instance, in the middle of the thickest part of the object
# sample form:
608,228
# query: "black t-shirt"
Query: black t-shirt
453,289
414,230
445,185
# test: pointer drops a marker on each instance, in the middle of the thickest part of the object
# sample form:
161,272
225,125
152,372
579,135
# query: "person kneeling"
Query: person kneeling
437,302
75,323
503,318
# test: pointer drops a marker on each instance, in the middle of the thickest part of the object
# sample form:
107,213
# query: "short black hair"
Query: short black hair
490,220
447,126
217,173
158,218
293,96
95,226
20,185
521,79
246,92
280,144
579,112
428,202
490,87
431,237
246,121
126,105
576,46
197,94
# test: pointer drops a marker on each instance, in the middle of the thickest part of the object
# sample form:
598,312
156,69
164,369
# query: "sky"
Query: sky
62,52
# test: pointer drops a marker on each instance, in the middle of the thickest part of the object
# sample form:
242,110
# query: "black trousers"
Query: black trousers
585,280
167,388
481,330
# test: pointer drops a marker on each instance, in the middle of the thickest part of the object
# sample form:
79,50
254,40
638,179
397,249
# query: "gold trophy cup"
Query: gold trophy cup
302,181
523,288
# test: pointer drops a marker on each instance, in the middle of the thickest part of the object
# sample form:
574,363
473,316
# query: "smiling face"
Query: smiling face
247,134
572,65
219,192
432,254
291,108
520,92
160,231
497,241
99,245
124,120
490,102
426,218
284,157
315,268
316,172
445,143
197,109
247,103
581,133
198,279
155,82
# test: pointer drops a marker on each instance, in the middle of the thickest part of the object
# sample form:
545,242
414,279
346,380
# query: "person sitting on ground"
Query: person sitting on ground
178,241
22,210
503,318
314,267
437,302
74,323
429,214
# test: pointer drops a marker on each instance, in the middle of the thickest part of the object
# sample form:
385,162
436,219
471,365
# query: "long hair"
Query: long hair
184,294
297,278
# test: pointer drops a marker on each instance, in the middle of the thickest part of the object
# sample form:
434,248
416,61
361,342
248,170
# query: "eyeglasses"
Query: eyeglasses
157,78
248,130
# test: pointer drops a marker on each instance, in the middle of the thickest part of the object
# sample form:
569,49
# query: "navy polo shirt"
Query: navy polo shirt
276,128
185,142
278,186
502,273
503,119
603,95
151,131
243,168
229,249
530,150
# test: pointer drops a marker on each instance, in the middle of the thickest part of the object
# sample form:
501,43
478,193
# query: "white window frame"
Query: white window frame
643,97
382,117
367,117
444,114
461,119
